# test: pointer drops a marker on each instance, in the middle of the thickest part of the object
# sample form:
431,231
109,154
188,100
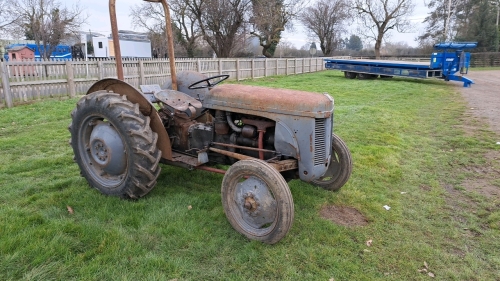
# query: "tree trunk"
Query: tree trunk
269,49
378,44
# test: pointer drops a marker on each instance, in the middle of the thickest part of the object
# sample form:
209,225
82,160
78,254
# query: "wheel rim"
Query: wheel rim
254,205
333,169
103,151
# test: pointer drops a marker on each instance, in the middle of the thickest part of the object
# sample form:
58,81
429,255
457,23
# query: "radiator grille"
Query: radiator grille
319,142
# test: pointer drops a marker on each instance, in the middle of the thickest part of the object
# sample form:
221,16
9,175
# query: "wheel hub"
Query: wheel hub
107,149
101,150
250,203
256,203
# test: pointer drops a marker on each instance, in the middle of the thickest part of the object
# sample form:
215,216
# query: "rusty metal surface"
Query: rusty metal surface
285,165
177,100
186,159
280,166
146,108
170,44
116,40
242,147
231,154
210,169
269,102
181,132
261,125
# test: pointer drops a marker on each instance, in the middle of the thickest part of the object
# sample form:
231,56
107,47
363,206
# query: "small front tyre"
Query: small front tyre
340,168
114,146
257,201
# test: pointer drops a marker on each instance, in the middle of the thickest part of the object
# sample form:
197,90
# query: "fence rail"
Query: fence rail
24,81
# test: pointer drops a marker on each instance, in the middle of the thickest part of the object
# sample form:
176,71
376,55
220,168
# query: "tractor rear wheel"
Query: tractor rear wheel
257,201
114,145
340,168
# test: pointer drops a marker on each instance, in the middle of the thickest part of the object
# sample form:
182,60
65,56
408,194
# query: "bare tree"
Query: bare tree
326,20
48,22
269,19
377,17
220,22
8,19
184,25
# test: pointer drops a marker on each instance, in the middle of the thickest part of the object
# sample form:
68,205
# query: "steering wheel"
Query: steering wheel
207,81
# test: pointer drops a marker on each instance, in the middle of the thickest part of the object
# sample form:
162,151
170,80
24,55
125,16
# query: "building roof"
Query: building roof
18,48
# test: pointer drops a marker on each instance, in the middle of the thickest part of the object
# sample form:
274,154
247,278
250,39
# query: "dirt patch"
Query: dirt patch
483,100
342,215
484,97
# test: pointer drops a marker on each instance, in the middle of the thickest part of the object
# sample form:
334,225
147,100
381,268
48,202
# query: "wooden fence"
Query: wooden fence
490,59
34,80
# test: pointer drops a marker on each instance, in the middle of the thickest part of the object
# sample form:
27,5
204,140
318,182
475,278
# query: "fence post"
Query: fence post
220,66
100,69
286,67
237,69
265,67
141,73
71,79
253,68
4,76
199,65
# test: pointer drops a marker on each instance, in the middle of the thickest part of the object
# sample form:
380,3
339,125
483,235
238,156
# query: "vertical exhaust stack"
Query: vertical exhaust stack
116,42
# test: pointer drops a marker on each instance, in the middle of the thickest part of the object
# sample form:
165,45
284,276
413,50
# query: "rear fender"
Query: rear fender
146,108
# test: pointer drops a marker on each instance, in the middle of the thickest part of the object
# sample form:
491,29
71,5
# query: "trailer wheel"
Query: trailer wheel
363,76
385,76
257,201
340,168
350,75
114,146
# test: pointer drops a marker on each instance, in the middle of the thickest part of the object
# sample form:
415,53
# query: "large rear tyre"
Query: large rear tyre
257,201
114,146
340,168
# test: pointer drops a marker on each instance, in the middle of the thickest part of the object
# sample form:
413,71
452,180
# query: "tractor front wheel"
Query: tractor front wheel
257,201
114,145
340,168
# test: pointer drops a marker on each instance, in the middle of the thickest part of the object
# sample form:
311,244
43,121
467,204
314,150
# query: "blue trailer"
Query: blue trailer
443,65
61,52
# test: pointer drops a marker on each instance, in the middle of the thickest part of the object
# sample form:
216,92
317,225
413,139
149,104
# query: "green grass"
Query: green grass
405,136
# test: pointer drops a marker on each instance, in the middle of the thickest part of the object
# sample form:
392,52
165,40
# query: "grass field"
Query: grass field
412,146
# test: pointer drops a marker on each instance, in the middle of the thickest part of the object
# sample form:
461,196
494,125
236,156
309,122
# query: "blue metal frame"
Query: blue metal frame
62,52
443,65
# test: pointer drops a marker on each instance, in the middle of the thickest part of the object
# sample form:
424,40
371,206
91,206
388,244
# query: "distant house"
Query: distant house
21,53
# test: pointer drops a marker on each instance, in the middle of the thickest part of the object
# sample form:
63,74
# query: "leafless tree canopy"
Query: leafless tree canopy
269,19
48,22
8,19
151,17
220,22
377,17
327,20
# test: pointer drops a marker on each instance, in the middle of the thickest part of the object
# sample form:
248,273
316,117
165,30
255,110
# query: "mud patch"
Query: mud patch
486,178
343,215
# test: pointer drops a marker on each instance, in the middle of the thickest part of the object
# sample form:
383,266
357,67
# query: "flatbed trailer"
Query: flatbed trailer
442,65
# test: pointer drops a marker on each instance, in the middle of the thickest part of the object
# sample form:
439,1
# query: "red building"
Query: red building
21,53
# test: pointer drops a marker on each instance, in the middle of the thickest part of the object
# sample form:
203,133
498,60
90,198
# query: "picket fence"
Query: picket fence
24,81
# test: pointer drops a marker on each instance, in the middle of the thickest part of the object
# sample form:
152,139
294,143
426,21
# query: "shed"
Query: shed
21,53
